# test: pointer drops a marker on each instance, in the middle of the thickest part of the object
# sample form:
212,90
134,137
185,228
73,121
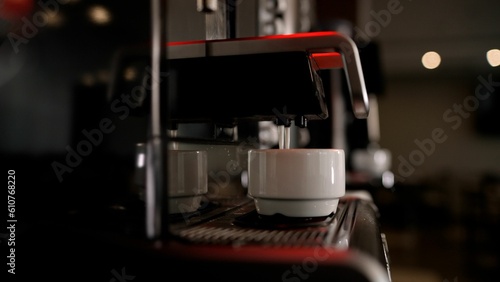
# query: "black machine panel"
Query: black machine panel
255,86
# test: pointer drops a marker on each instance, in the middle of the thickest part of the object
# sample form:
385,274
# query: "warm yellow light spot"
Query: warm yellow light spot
493,57
431,60
54,19
99,15
130,73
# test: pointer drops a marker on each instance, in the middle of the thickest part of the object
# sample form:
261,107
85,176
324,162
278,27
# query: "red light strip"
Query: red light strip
328,60
267,37
256,253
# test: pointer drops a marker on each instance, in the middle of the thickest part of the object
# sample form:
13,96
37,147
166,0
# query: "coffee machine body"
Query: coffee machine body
223,185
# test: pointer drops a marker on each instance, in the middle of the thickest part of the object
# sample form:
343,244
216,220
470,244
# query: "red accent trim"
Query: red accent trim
267,37
176,43
256,254
328,60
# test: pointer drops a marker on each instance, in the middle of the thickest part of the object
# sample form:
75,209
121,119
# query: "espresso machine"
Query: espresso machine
224,186
224,183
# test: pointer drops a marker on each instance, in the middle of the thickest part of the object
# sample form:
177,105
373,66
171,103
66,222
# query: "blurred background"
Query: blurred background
438,97
446,205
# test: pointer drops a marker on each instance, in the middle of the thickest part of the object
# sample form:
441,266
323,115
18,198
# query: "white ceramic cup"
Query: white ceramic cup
225,162
187,180
298,182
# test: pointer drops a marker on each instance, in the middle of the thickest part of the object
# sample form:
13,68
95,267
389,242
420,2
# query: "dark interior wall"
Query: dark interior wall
55,75
54,81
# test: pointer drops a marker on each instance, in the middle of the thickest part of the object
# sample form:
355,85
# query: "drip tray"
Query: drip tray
254,220
243,225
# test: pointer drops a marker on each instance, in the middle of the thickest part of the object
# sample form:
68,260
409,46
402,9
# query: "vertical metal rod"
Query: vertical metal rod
338,137
281,136
156,156
373,121
284,136
287,137
156,57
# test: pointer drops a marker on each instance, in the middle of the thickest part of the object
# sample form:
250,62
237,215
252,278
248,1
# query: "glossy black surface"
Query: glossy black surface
93,242
226,89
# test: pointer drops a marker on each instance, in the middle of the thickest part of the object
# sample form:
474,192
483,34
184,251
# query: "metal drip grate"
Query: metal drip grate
240,236
245,226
